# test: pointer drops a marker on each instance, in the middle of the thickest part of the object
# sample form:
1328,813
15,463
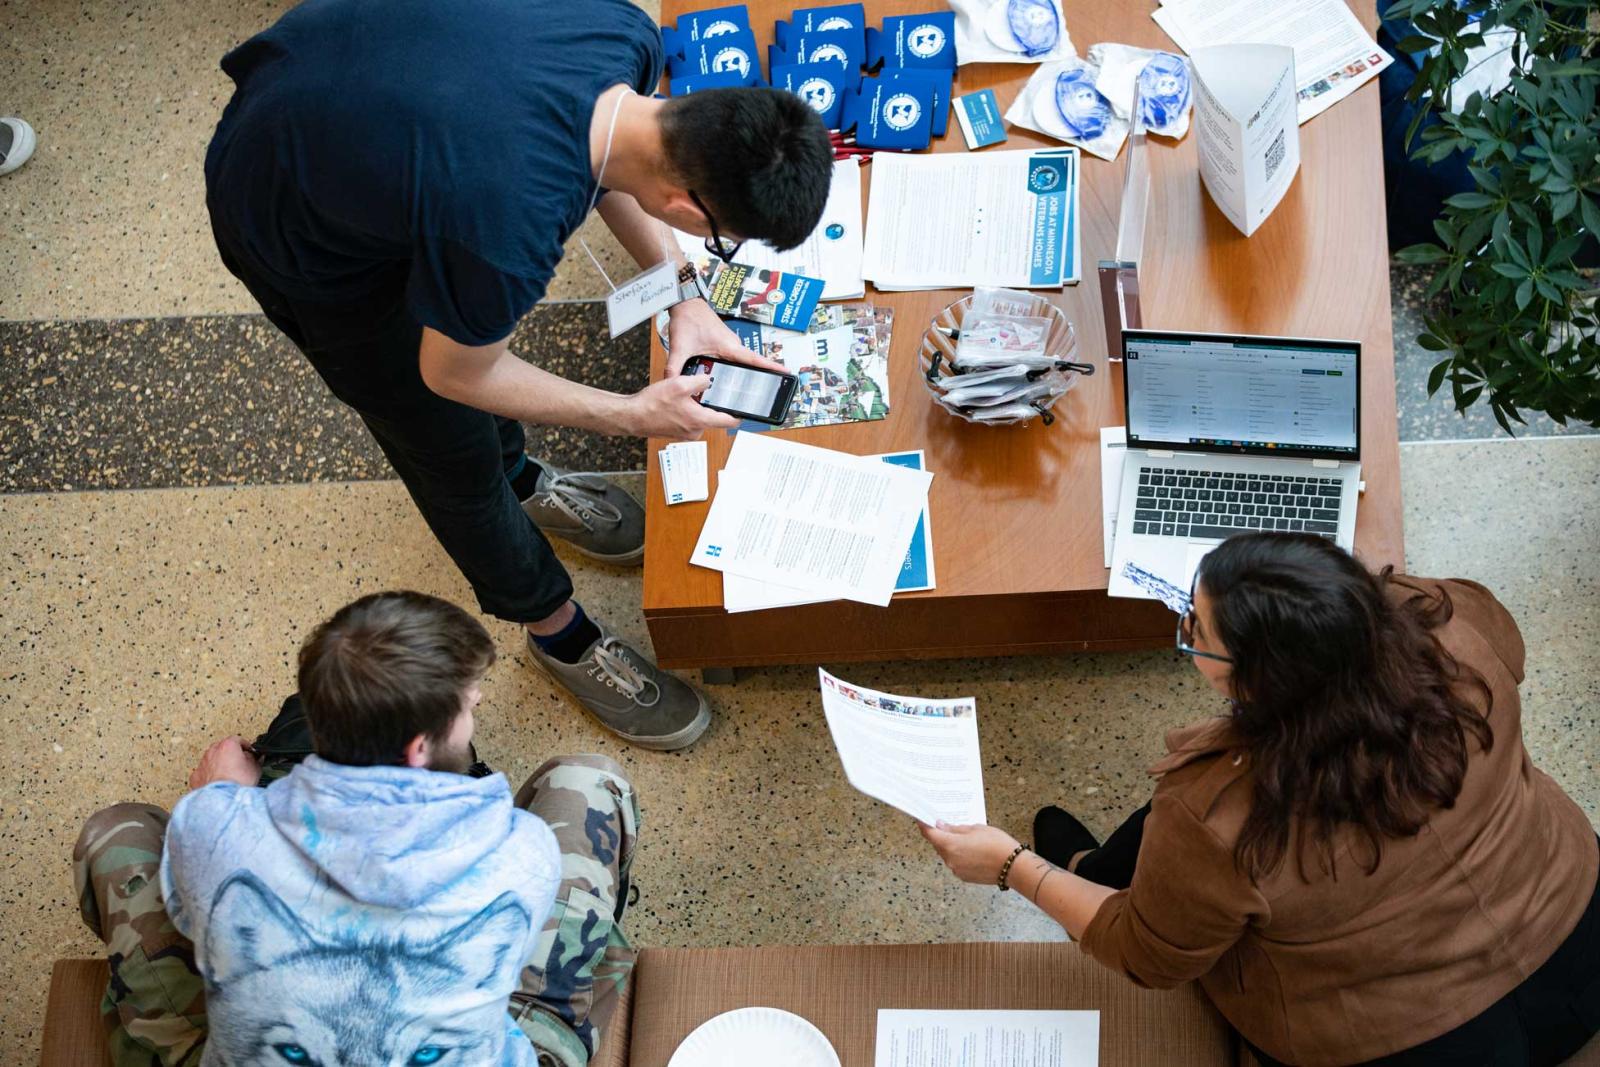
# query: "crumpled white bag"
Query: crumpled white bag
1090,104
1163,80
1061,101
1010,31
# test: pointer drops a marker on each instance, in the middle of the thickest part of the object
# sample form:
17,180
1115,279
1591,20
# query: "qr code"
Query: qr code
1275,155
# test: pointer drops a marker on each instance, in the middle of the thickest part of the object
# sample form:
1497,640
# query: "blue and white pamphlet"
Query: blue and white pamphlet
762,294
949,221
917,573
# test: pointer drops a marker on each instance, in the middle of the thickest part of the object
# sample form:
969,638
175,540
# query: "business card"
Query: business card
979,115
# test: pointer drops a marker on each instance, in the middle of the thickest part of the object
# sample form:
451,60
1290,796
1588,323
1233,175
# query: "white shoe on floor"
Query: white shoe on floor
17,140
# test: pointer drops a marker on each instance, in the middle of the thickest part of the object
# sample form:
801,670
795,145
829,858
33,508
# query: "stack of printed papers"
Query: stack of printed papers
948,221
810,522
683,472
1333,53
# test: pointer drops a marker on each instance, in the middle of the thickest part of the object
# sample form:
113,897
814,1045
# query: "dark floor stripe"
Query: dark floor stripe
217,400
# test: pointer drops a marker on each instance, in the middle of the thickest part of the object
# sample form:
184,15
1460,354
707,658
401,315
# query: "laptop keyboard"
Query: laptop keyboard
1190,503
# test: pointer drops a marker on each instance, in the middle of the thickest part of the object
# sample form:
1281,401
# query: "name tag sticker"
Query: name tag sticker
641,297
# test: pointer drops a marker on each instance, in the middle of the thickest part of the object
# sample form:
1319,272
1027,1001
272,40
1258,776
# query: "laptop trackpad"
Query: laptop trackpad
1197,551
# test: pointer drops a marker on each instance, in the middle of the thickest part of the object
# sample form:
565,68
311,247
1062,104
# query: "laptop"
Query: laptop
1231,434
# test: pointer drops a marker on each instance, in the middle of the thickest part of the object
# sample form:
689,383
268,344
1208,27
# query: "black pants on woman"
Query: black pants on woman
1540,1023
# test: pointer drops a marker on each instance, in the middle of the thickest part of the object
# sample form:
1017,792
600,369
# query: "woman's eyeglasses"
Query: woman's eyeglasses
724,248
1185,639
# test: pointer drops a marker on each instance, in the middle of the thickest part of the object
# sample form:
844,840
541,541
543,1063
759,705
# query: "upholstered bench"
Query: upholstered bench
840,989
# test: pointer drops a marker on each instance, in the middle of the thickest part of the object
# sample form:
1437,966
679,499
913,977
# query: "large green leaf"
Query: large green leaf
1436,376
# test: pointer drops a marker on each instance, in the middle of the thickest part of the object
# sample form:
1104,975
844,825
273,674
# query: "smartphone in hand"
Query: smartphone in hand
742,391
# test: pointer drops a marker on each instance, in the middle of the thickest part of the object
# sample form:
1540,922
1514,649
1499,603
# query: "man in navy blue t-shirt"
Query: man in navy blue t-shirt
394,181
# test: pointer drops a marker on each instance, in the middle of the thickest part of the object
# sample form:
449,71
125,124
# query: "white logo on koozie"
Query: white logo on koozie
829,53
818,92
835,22
926,41
901,111
731,59
720,27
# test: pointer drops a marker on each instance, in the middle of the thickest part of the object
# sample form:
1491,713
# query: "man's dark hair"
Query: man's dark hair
386,668
759,158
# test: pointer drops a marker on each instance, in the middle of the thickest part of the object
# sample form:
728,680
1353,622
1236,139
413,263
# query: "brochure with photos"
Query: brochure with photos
842,362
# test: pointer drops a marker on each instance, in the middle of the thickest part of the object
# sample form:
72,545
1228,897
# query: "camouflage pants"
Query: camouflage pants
154,1007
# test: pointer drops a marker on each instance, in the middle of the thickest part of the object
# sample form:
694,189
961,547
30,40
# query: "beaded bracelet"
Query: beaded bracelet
1005,868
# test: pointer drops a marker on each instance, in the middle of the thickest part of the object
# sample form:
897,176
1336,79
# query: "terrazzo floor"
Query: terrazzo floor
108,219
180,500
141,625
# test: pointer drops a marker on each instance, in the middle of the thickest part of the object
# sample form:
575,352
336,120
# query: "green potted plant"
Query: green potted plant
1513,314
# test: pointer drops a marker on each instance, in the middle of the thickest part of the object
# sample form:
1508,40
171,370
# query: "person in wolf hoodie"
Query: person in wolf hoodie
378,905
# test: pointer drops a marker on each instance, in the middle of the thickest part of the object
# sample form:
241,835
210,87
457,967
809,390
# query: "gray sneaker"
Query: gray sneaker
598,518
630,696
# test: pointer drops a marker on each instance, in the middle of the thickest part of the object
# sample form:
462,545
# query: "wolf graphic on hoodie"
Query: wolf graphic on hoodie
371,916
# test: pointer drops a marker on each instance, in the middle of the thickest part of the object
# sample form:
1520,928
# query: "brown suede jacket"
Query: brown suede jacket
1338,968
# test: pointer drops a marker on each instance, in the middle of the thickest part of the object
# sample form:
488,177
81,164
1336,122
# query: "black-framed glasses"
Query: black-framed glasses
1185,637
723,248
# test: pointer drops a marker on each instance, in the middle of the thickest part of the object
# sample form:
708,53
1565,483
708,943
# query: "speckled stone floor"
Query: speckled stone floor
140,625
108,219
227,400
233,503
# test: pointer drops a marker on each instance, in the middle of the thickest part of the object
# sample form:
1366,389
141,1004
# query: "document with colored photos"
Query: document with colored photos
1334,55
913,753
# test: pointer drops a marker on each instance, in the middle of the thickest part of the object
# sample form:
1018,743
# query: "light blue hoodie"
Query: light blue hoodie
360,916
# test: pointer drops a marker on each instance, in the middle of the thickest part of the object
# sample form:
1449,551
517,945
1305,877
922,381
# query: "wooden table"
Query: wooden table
1016,511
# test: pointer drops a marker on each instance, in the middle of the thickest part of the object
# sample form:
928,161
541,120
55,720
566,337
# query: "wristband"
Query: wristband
1005,868
688,283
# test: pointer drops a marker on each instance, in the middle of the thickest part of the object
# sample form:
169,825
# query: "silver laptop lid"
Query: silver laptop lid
1258,396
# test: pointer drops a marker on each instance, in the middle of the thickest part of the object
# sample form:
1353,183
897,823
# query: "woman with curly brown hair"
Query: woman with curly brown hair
1359,862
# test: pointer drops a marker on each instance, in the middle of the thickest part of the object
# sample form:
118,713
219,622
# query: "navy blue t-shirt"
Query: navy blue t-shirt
434,147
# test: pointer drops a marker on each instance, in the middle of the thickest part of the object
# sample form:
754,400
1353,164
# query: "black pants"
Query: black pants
1540,1023
454,460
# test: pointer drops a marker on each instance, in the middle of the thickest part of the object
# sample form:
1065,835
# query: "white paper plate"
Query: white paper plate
749,1036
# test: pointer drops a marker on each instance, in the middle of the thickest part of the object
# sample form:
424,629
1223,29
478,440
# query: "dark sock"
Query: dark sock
573,640
524,477
1058,836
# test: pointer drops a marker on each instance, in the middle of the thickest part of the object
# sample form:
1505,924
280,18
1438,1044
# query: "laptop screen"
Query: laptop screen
1252,395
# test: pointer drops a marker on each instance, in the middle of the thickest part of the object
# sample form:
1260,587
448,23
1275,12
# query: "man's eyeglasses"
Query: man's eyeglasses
1185,639
724,248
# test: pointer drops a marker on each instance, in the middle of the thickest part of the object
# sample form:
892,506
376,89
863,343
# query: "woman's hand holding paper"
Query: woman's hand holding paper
973,853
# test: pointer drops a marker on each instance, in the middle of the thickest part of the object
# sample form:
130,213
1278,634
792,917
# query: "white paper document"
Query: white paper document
910,1038
1246,135
684,477
1333,53
915,754
833,251
916,573
954,220
812,518
1113,450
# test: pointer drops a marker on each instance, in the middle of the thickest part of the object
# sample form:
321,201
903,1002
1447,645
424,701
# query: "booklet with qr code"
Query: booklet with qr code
1249,135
